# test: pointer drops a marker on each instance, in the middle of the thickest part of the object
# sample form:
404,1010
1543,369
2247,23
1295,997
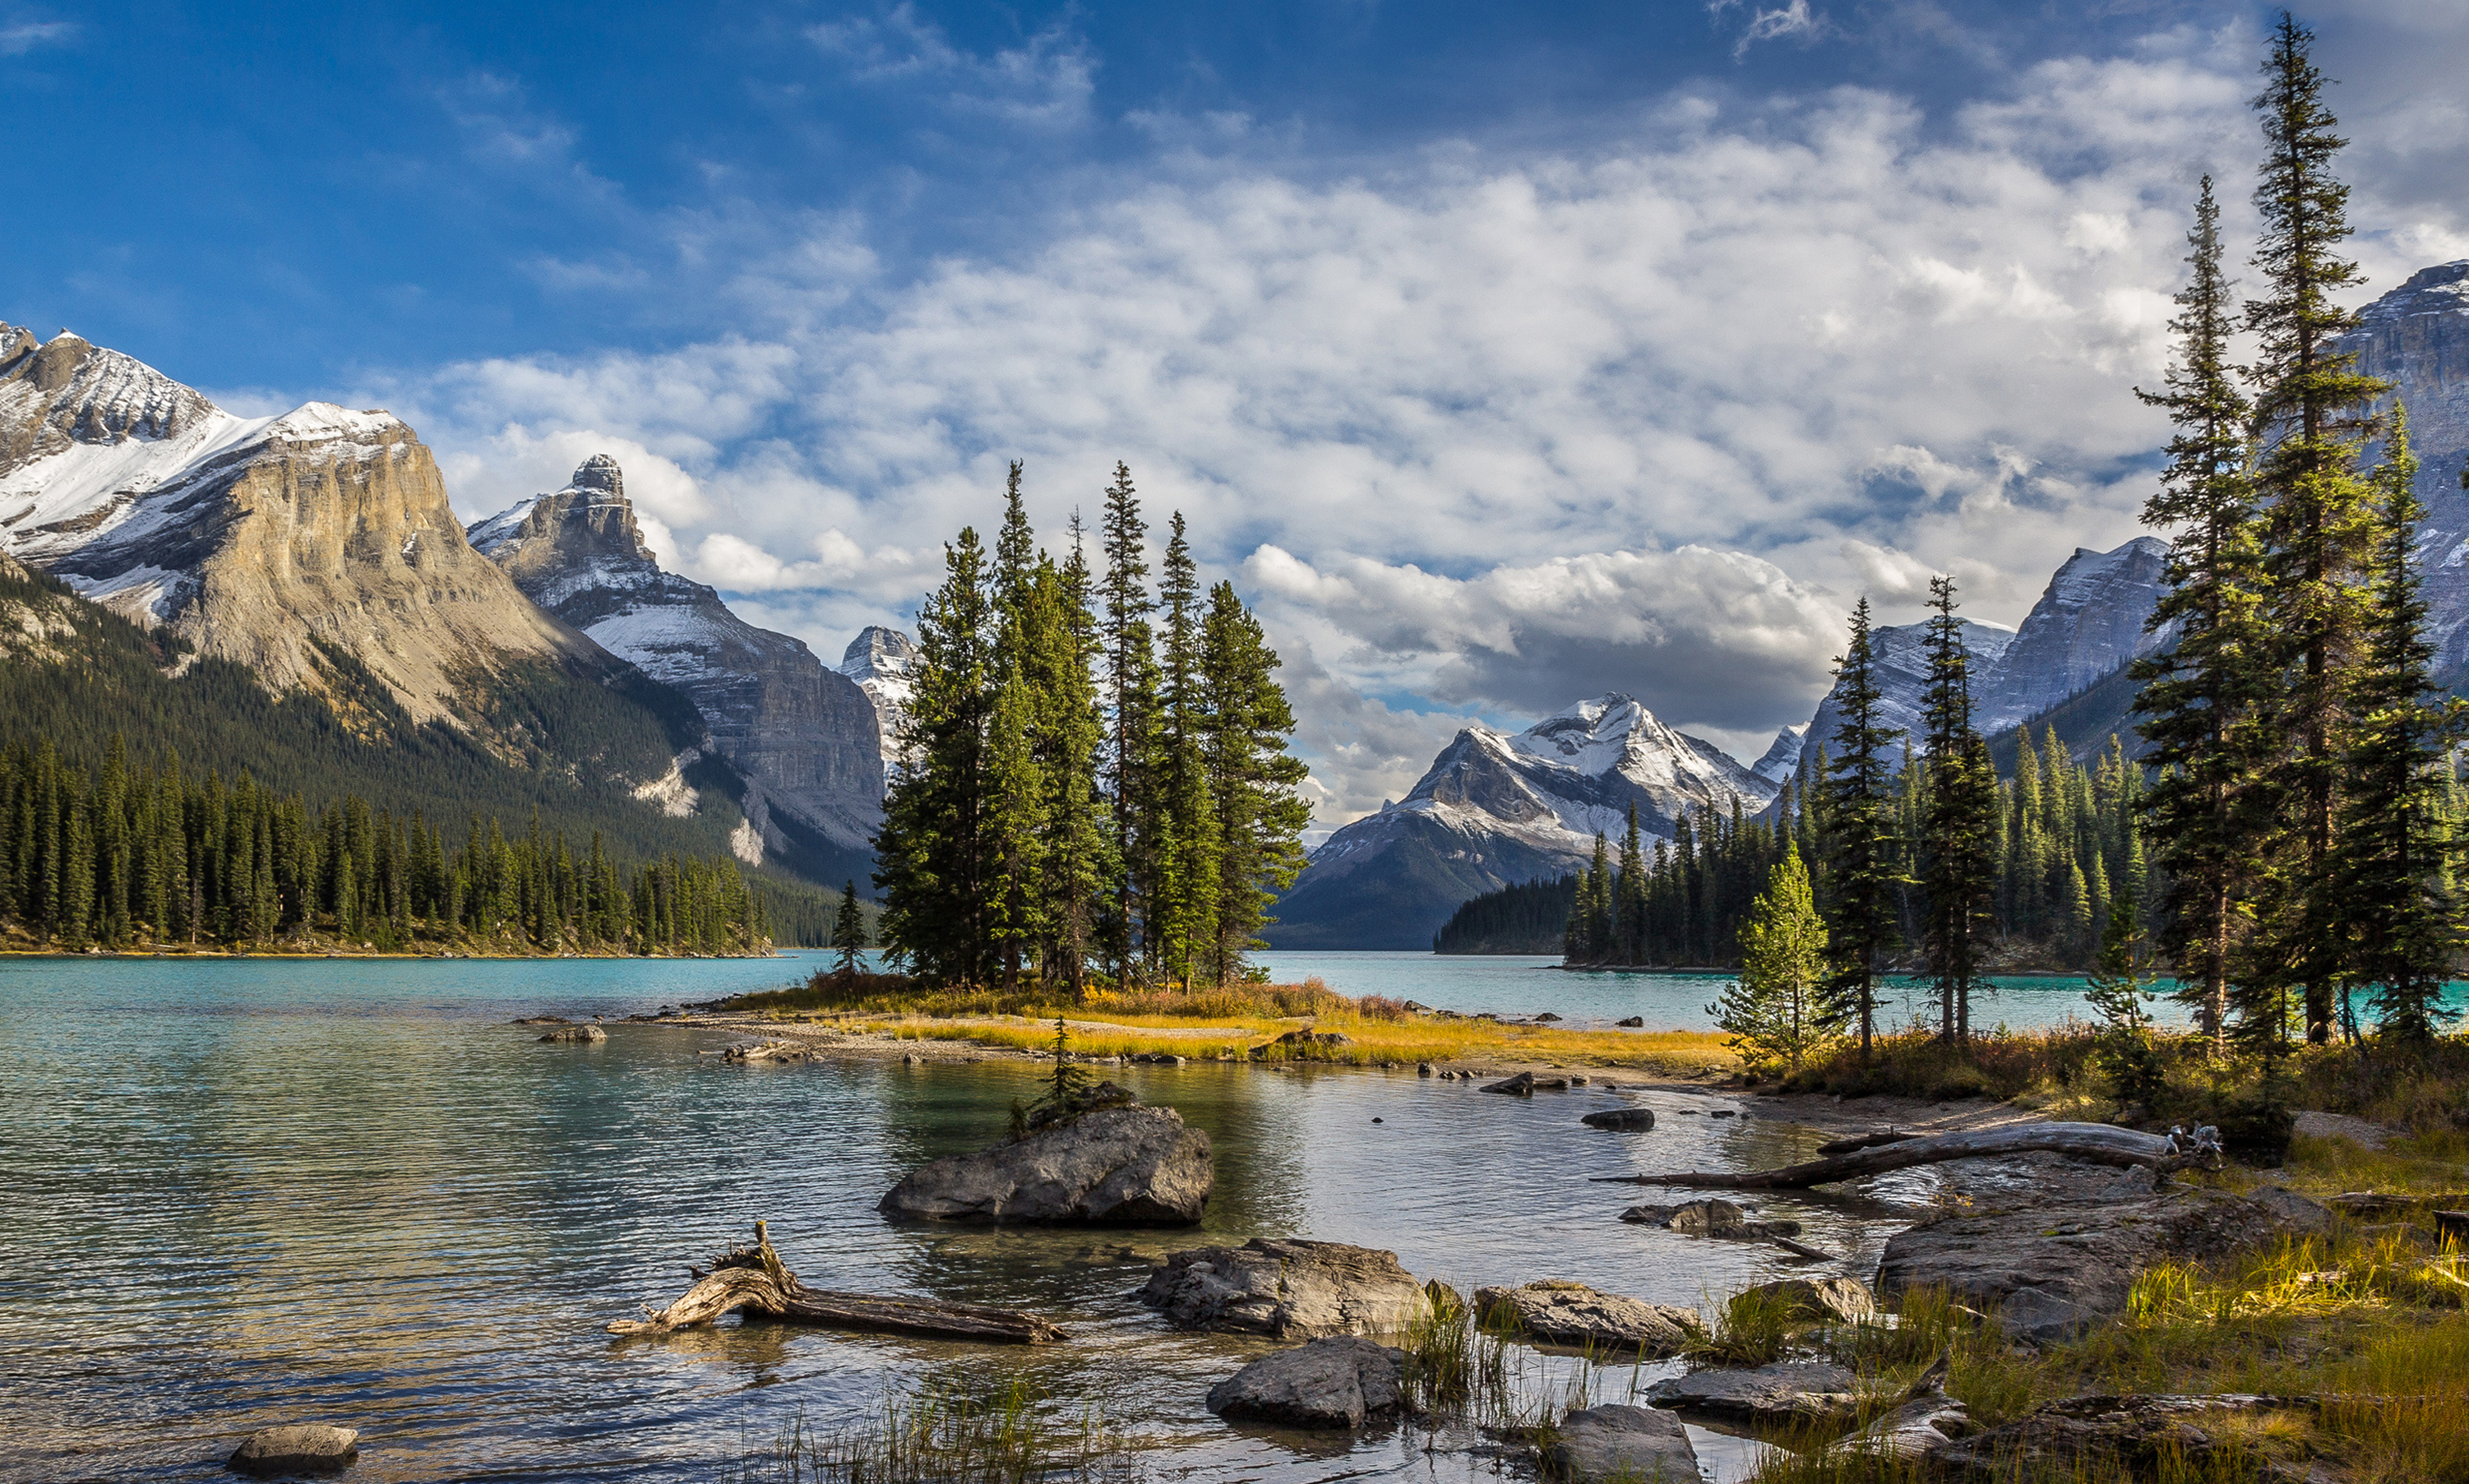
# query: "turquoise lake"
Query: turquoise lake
243,1192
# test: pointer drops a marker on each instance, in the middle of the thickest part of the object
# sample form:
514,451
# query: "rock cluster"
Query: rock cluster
580,1035
1571,1314
1287,1288
1791,1391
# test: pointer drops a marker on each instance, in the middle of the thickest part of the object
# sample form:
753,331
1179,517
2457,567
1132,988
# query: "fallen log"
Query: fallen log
1867,1140
755,1279
2100,1143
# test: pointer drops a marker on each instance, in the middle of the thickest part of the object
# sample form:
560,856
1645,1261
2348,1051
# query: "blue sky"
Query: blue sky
1504,354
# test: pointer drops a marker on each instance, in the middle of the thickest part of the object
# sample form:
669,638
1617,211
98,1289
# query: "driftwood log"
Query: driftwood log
755,1279
2100,1143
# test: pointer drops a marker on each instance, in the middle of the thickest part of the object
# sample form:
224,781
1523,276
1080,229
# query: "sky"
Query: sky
1502,356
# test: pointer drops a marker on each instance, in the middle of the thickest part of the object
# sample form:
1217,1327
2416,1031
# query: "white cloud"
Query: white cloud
1749,362
18,38
1791,19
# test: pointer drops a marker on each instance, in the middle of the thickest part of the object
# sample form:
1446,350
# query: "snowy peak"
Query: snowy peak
2440,290
72,391
878,653
1781,757
577,542
2089,621
2417,337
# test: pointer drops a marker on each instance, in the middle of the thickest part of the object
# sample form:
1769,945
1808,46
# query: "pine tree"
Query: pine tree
1186,911
1079,854
1777,1011
1628,915
2310,403
848,928
1859,812
1959,826
1133,792
2394,839
933,870
1252,782
2120,993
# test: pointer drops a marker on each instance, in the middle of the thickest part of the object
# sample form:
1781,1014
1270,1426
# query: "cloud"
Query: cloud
1793,19
1750,359
1044,83
18,38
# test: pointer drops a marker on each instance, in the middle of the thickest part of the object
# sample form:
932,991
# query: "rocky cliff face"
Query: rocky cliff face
802,736
2089,621
2418,337
288,543
878,660
1498,807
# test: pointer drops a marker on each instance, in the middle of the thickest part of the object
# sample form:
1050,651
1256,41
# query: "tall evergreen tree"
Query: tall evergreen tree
932,870
2310,402
1185,913
1959,821
2395,839
1131,775
1859,809
1629,912
2202,698
1251,781
1079,854
849,930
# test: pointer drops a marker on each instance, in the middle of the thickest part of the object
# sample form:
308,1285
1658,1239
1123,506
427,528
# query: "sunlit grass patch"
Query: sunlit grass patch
1011,1437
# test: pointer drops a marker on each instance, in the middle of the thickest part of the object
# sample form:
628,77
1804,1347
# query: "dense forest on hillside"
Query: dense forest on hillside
120,858
544,742
1530,916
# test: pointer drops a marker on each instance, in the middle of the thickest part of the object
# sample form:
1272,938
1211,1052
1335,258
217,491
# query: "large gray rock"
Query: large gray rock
2122,1437
1793,1391
1621,1120
1340,1381
1287,1288
1117,1166
2047,1272
299,1447
1571,1313
581,1035
1633,1444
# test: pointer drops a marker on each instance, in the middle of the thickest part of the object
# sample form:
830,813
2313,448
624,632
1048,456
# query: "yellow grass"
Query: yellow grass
1370,1040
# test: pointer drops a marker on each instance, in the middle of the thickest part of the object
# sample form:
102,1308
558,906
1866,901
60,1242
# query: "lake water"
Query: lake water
245,1192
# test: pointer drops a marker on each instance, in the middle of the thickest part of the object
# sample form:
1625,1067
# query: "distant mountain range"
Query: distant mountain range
317,555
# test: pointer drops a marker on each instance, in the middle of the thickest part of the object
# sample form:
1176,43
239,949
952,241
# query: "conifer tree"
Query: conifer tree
1778,1011
1860,811
1185,913
932,867
1629,913
848,928
1133,793
1079,855
2310,402
1251,781
1959,826
2395,840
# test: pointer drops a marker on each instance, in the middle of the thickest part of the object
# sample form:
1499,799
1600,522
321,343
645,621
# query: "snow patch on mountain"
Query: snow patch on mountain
882,661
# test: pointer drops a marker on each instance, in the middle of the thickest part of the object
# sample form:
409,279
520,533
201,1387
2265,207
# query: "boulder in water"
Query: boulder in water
1621,1120
299,1448
1571,1314
1117,1167
1625,1443
1287,1288
584,1036
1338,1381
1794,1391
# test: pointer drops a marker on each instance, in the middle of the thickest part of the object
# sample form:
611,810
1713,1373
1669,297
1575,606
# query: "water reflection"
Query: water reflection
242,1194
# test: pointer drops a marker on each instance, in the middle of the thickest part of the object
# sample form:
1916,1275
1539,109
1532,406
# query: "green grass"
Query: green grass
1013,1436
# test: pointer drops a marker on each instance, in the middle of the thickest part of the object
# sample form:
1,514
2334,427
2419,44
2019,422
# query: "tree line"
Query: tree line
1097,783
119,857
2299,793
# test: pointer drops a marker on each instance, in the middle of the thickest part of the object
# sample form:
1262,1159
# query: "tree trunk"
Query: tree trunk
2101,1143
755,1279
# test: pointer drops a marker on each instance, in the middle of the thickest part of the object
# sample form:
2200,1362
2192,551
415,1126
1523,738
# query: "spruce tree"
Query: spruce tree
1860,807
1185,913
1959,824
1251,781
932,870
1131,773
1777,1011
2395,840
2310,403
1629,913
848,929
1079,854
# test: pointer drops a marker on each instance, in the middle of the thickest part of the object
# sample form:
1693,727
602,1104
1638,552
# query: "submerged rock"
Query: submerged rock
1287,1288
1571,1314
1802,1391
580,1035
1339,1381
1634,1445
1522,1085
1632,1023
1621,1120
299,1448
1117,1167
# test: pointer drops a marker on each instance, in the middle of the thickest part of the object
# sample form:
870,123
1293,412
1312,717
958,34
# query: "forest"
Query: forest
119,858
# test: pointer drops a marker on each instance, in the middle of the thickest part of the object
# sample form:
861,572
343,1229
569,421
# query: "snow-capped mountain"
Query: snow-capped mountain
1903,679
2418,337
879,661
1781,757
802,736
282,543
1498,807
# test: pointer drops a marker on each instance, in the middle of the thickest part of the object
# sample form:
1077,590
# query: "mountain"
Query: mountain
1781,757
802,736
2418,337
878,660
1902,675
1498,807
283,543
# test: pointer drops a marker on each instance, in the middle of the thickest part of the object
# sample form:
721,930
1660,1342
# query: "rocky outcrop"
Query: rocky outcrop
299,1448
879,662
580,1035
1341,1382
2417,337
2089,621
802,736
1634,1445
1571,1314
1791,1391
2136,1437
2047,1272
1119,1167
1287,1288
1498,807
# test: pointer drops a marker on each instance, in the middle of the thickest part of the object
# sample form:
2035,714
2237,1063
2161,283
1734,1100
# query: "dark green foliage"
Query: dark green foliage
2121,995
118,857
848,932
1861,861
1529,918
1958,829
935,867
1251,780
